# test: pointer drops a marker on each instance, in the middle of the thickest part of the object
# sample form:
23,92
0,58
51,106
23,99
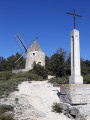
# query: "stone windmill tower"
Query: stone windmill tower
34,54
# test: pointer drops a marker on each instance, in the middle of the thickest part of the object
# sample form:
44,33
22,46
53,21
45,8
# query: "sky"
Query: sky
47,20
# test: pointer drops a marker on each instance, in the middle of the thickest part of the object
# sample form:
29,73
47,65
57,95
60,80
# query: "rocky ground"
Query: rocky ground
80,112
34,101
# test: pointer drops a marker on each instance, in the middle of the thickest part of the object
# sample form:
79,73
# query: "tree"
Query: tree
21,62
10,62
57,63
68,65
47,63
2,63
85,67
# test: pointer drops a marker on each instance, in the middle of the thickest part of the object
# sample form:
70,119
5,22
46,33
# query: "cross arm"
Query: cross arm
78,15
70,13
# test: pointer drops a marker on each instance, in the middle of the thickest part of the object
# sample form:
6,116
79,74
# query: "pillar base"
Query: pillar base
75,93
75,80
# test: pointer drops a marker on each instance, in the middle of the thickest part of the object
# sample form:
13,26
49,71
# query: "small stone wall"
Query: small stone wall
75,93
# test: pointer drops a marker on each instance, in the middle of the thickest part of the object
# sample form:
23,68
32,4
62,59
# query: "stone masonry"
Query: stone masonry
75,93
34,54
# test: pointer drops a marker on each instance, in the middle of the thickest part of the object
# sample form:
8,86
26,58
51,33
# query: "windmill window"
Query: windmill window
33,54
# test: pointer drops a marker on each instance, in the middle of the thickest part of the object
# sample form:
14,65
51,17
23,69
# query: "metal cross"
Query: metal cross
74,17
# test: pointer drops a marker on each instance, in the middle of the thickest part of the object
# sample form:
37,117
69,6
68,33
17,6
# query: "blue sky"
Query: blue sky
46,19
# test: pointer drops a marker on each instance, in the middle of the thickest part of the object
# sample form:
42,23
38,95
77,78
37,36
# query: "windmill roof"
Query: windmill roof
35,47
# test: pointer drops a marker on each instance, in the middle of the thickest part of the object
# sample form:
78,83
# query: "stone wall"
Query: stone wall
75,93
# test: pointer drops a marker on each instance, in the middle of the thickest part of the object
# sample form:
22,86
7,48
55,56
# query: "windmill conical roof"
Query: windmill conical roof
35,47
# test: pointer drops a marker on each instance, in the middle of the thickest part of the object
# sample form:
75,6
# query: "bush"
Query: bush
38,69
10,85
6,117
10,81
86,79
57,108
27,76
32,76
3,109
5,75
20,75
62,80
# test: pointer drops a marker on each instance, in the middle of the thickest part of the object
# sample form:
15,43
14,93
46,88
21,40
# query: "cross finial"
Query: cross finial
74,17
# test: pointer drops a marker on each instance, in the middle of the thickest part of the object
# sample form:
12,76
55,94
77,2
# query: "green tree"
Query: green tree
10,62
20,64
68,65
85,67
2,63
47,62
57,63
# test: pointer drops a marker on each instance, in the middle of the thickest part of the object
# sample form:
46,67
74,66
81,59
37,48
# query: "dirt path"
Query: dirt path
35,101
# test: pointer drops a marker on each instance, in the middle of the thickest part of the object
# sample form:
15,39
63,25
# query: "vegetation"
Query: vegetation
65,79
3,110
60,80
9,63
40,70
85,67
57,108
9,81
87,79
58,64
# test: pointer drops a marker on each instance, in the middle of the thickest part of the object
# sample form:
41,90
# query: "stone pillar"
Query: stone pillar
75,77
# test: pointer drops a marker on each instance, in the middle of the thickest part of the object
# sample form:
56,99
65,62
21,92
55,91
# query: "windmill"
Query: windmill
23,46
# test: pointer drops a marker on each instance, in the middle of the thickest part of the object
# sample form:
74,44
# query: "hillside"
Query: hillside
34,101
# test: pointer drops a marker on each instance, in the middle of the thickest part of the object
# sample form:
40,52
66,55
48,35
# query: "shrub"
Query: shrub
62,80
57,108
27,76
5,75
6,117
3,109
32,76
20,75
9,81
10,85
38,69
86,79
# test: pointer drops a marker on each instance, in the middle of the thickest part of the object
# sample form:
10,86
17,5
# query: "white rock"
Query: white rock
35,101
